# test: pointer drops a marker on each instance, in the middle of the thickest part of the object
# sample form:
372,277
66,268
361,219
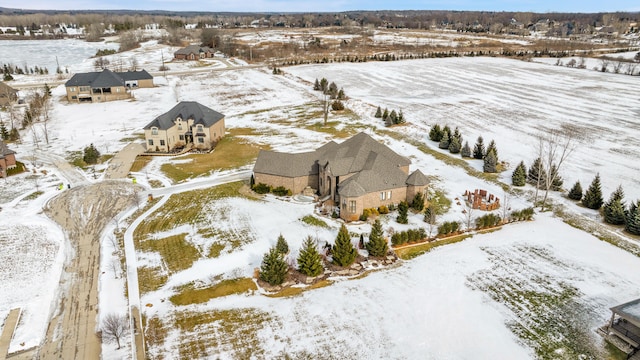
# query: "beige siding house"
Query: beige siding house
7,159
187,124
106,85
194,52
357,174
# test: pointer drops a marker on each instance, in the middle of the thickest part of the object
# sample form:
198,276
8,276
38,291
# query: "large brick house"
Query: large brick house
106,85
187,124
7,159
194,52
357,174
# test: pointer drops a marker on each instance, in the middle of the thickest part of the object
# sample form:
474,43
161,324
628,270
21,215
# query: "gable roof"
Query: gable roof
417,178
4,89
287,165
186,110
4,150
378,174
193,49
106,78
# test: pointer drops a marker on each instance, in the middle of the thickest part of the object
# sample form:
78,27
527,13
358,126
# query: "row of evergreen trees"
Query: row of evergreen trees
614,211
453,141
390,117
330,89
536,176
274,268
10,69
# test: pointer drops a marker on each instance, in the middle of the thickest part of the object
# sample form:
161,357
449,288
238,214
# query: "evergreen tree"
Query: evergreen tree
323,85
394,116
447,130
614,211
418,202
576,192
466,150
273,269
454,145
309,260
344,254
341,95
378,112
91,154
377,245
444,142
4,133
316,85
14,134
47,91
593,196
556,183
519,176
492,147
403,210
388,121
456,134
537,172
401,119
385,114
490,162
478,149
435,134
632,223
282,246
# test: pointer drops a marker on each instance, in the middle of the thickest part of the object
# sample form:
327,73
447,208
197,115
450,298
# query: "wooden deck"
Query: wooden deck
628,332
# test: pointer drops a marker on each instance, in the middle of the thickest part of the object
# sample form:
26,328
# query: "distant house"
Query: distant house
357,174
194,52
187,124
7,159
106,85
623,329
8,94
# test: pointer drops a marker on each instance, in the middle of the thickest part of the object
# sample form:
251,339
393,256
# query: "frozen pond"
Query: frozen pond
43,53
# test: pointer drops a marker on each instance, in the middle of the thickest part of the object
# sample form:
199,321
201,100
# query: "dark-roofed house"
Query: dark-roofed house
7,159
357,174
106,85
7,94
624,328
194,52
187,124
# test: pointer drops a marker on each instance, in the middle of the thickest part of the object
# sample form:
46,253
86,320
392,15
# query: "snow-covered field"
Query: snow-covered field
467,300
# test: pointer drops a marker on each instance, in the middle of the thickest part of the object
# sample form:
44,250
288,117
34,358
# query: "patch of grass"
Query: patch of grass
190,295
410,252
230,153
439,201
332,128
176,252
294,291
155,332
140,162
150,279
314,221
137,136
232,332
215,249
155,184
33,195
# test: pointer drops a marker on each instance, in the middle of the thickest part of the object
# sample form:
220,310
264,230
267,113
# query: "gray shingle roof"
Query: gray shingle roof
186,110
4,150
417,178
106,78
288,165
381,175
194,49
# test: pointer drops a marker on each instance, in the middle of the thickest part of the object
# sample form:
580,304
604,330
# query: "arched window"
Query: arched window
154,131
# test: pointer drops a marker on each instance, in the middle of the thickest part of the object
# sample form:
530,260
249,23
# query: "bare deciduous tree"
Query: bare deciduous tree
114,327
557,146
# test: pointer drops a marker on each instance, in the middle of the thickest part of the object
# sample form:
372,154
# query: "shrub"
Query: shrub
91,154
488,220
383,210
281,191
261,188
448,227
408,236
337,105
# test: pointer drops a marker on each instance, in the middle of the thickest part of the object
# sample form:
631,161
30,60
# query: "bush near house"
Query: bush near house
408,236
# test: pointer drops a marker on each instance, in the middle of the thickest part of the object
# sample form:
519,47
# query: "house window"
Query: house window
117,89
84,88
199,128
181,137
389,195
154,131
383,195
201,140
72,89
161,142
151,142
352,206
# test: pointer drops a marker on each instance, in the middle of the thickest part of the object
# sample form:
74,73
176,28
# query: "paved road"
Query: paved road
120,164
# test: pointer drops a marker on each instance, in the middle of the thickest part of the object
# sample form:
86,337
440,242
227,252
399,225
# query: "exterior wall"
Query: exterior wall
145,83
413,190
162,135
370,200
216,131
180,56
296,184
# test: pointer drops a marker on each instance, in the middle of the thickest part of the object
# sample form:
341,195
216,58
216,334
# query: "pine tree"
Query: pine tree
454,145
309,260
282,246
403,210
519,176
593,196
316,85
418,202
4,133
323,85
490,163
377,245
401,119
273,269
341,95
91,154
447,130
632,223
435,134
444,142
394,116
556,183
537,173
378,112
466,150
576,192
344,254
492,147
614,211
14,134
456,134
478,149
385,114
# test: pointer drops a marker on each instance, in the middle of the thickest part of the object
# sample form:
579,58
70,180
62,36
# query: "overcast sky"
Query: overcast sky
331,5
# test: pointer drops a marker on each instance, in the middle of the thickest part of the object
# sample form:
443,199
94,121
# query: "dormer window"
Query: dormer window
200,128
179,126
154,131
